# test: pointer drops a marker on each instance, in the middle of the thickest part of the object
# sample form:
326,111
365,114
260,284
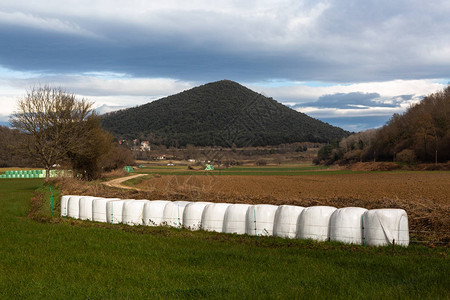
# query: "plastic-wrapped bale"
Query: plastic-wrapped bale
133,212
213,216
384,226
192,215
153,212
73,207
260,218
86,208
173,213
286,219
99,211
114,209
65,204
234,219
314,223
346,225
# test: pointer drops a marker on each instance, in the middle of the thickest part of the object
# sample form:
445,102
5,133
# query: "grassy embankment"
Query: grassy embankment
63,258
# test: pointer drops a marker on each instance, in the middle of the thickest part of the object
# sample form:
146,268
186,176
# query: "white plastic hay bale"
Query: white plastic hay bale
192,215
173,213
65,204
234,219
314,223
213,216
383,226
133,212
346,225
73,207
286,219
99,211
85,204
260,218
114,210
153,212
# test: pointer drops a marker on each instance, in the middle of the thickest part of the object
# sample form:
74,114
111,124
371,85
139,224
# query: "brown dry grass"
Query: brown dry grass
115,173
424,195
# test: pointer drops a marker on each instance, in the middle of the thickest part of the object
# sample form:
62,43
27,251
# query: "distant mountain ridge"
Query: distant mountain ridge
222,113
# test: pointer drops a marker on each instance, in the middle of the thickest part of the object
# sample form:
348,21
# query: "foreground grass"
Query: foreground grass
91,260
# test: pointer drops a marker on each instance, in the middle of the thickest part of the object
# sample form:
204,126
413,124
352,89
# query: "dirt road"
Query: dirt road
118,182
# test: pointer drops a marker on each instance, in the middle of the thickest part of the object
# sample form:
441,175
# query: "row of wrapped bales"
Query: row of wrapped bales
353,225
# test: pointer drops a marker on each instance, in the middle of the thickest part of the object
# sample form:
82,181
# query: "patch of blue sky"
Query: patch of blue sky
356,124
8,73
444,81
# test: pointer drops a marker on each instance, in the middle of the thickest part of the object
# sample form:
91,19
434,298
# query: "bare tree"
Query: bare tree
52,119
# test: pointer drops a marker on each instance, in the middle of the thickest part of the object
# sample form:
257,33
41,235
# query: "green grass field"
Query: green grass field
294,170
285,170
67,259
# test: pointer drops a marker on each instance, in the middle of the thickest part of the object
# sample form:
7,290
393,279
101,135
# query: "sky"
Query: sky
350,63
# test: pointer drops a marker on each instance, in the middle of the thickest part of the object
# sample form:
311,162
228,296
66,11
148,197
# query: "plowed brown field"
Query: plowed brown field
424,195
368,186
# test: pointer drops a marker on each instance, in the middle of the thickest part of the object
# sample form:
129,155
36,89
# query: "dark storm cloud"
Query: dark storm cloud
337,41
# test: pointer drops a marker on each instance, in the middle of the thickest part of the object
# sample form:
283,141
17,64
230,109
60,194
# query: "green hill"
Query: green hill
221,113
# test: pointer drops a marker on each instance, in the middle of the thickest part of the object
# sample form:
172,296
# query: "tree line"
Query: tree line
421,134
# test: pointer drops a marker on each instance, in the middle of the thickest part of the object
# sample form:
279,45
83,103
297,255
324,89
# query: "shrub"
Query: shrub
406,156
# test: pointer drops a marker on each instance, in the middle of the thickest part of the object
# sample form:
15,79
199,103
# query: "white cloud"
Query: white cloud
43,23
102,88
348,113
328,40
301,92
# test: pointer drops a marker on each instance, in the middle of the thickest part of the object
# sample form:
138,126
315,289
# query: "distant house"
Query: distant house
145,146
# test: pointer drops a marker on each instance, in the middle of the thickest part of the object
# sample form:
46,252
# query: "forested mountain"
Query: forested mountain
221,113
421,134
